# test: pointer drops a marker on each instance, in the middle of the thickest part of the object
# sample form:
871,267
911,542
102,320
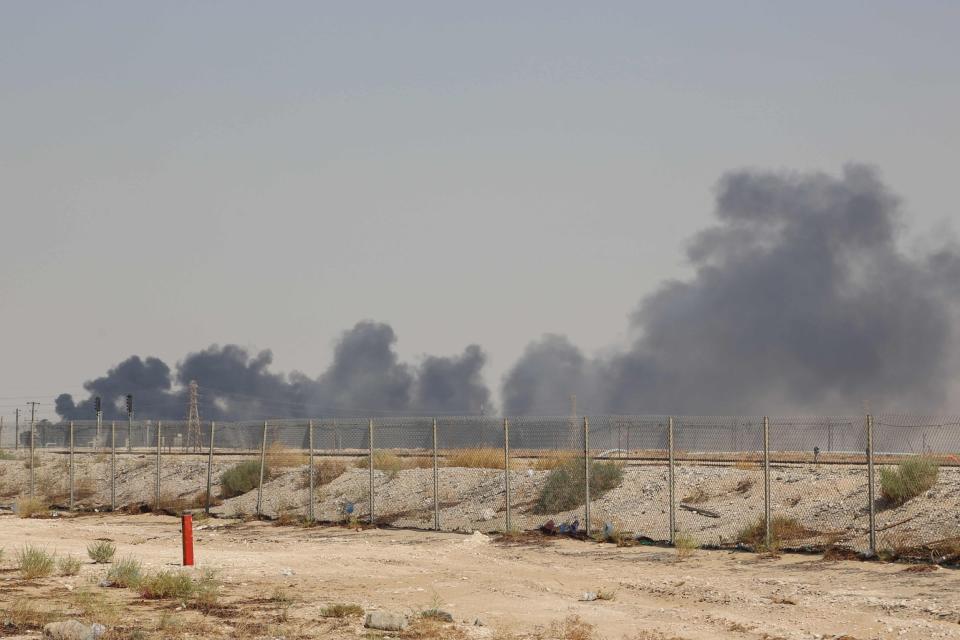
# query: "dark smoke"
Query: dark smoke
802,300
365,377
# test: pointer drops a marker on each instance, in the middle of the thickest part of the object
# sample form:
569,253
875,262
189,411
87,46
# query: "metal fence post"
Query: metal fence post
506,470
313,471
156,504
213,426
113,465
436,481
766,482
671,481
370,430
586,474
263,460
71,466
870,487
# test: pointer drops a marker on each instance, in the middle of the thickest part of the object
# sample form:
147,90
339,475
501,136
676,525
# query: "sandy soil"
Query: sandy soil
510,589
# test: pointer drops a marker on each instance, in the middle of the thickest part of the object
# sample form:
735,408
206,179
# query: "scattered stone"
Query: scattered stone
287,572
487,515
438,614
588,596
479,622
385,621
72,630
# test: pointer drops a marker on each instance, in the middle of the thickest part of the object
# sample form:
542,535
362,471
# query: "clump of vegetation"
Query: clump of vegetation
572,628
166,584
101,551
391,463
553,461
126,572
685,545
325,471
565,488
68,566
340,610
280,456
484,458
207,590
782,529
23,615
241,478
34,562
31,507
908,480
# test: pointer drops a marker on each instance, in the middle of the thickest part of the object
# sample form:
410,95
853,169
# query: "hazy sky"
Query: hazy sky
179,174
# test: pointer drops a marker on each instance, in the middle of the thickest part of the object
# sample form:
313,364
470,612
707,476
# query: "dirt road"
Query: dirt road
277,580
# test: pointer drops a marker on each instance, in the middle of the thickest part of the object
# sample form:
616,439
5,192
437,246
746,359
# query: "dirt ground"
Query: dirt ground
277,580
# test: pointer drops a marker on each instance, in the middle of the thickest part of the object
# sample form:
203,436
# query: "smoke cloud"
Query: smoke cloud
802,300
365,377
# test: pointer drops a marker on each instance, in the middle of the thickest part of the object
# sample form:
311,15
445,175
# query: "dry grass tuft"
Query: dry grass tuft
32,507
280,456
340,610
552,460
685,545
432,629
325,471
166,584
782,529
68,566
746,465
126,573
34,562
101,551
484,458
25,615
571,628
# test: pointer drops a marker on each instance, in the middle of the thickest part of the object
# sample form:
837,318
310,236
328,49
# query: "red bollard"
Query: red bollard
186,526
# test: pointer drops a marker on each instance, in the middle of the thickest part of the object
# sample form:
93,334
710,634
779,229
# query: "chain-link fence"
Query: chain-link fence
712,481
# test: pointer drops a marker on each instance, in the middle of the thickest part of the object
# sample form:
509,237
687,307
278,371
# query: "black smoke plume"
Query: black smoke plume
365,378
802,300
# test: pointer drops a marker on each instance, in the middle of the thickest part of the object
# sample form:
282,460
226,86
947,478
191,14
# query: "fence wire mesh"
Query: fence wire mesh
493,474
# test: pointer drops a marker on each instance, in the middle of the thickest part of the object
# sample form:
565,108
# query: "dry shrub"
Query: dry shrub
553,460
279,456
386,461
325,471
565,488
341,610
745,465
68,565
834,553
432,629
93,606
34,562
24,615
32,507
948,549
908,480
101,551
126,573
166,584
571,628
685,545
484,458
207,590
782,529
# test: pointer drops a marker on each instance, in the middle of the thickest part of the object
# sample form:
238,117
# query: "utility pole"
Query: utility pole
193,419
16,438
33,461
99,409
1,432
129,422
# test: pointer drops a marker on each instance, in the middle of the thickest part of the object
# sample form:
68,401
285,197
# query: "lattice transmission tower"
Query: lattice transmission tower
193,418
